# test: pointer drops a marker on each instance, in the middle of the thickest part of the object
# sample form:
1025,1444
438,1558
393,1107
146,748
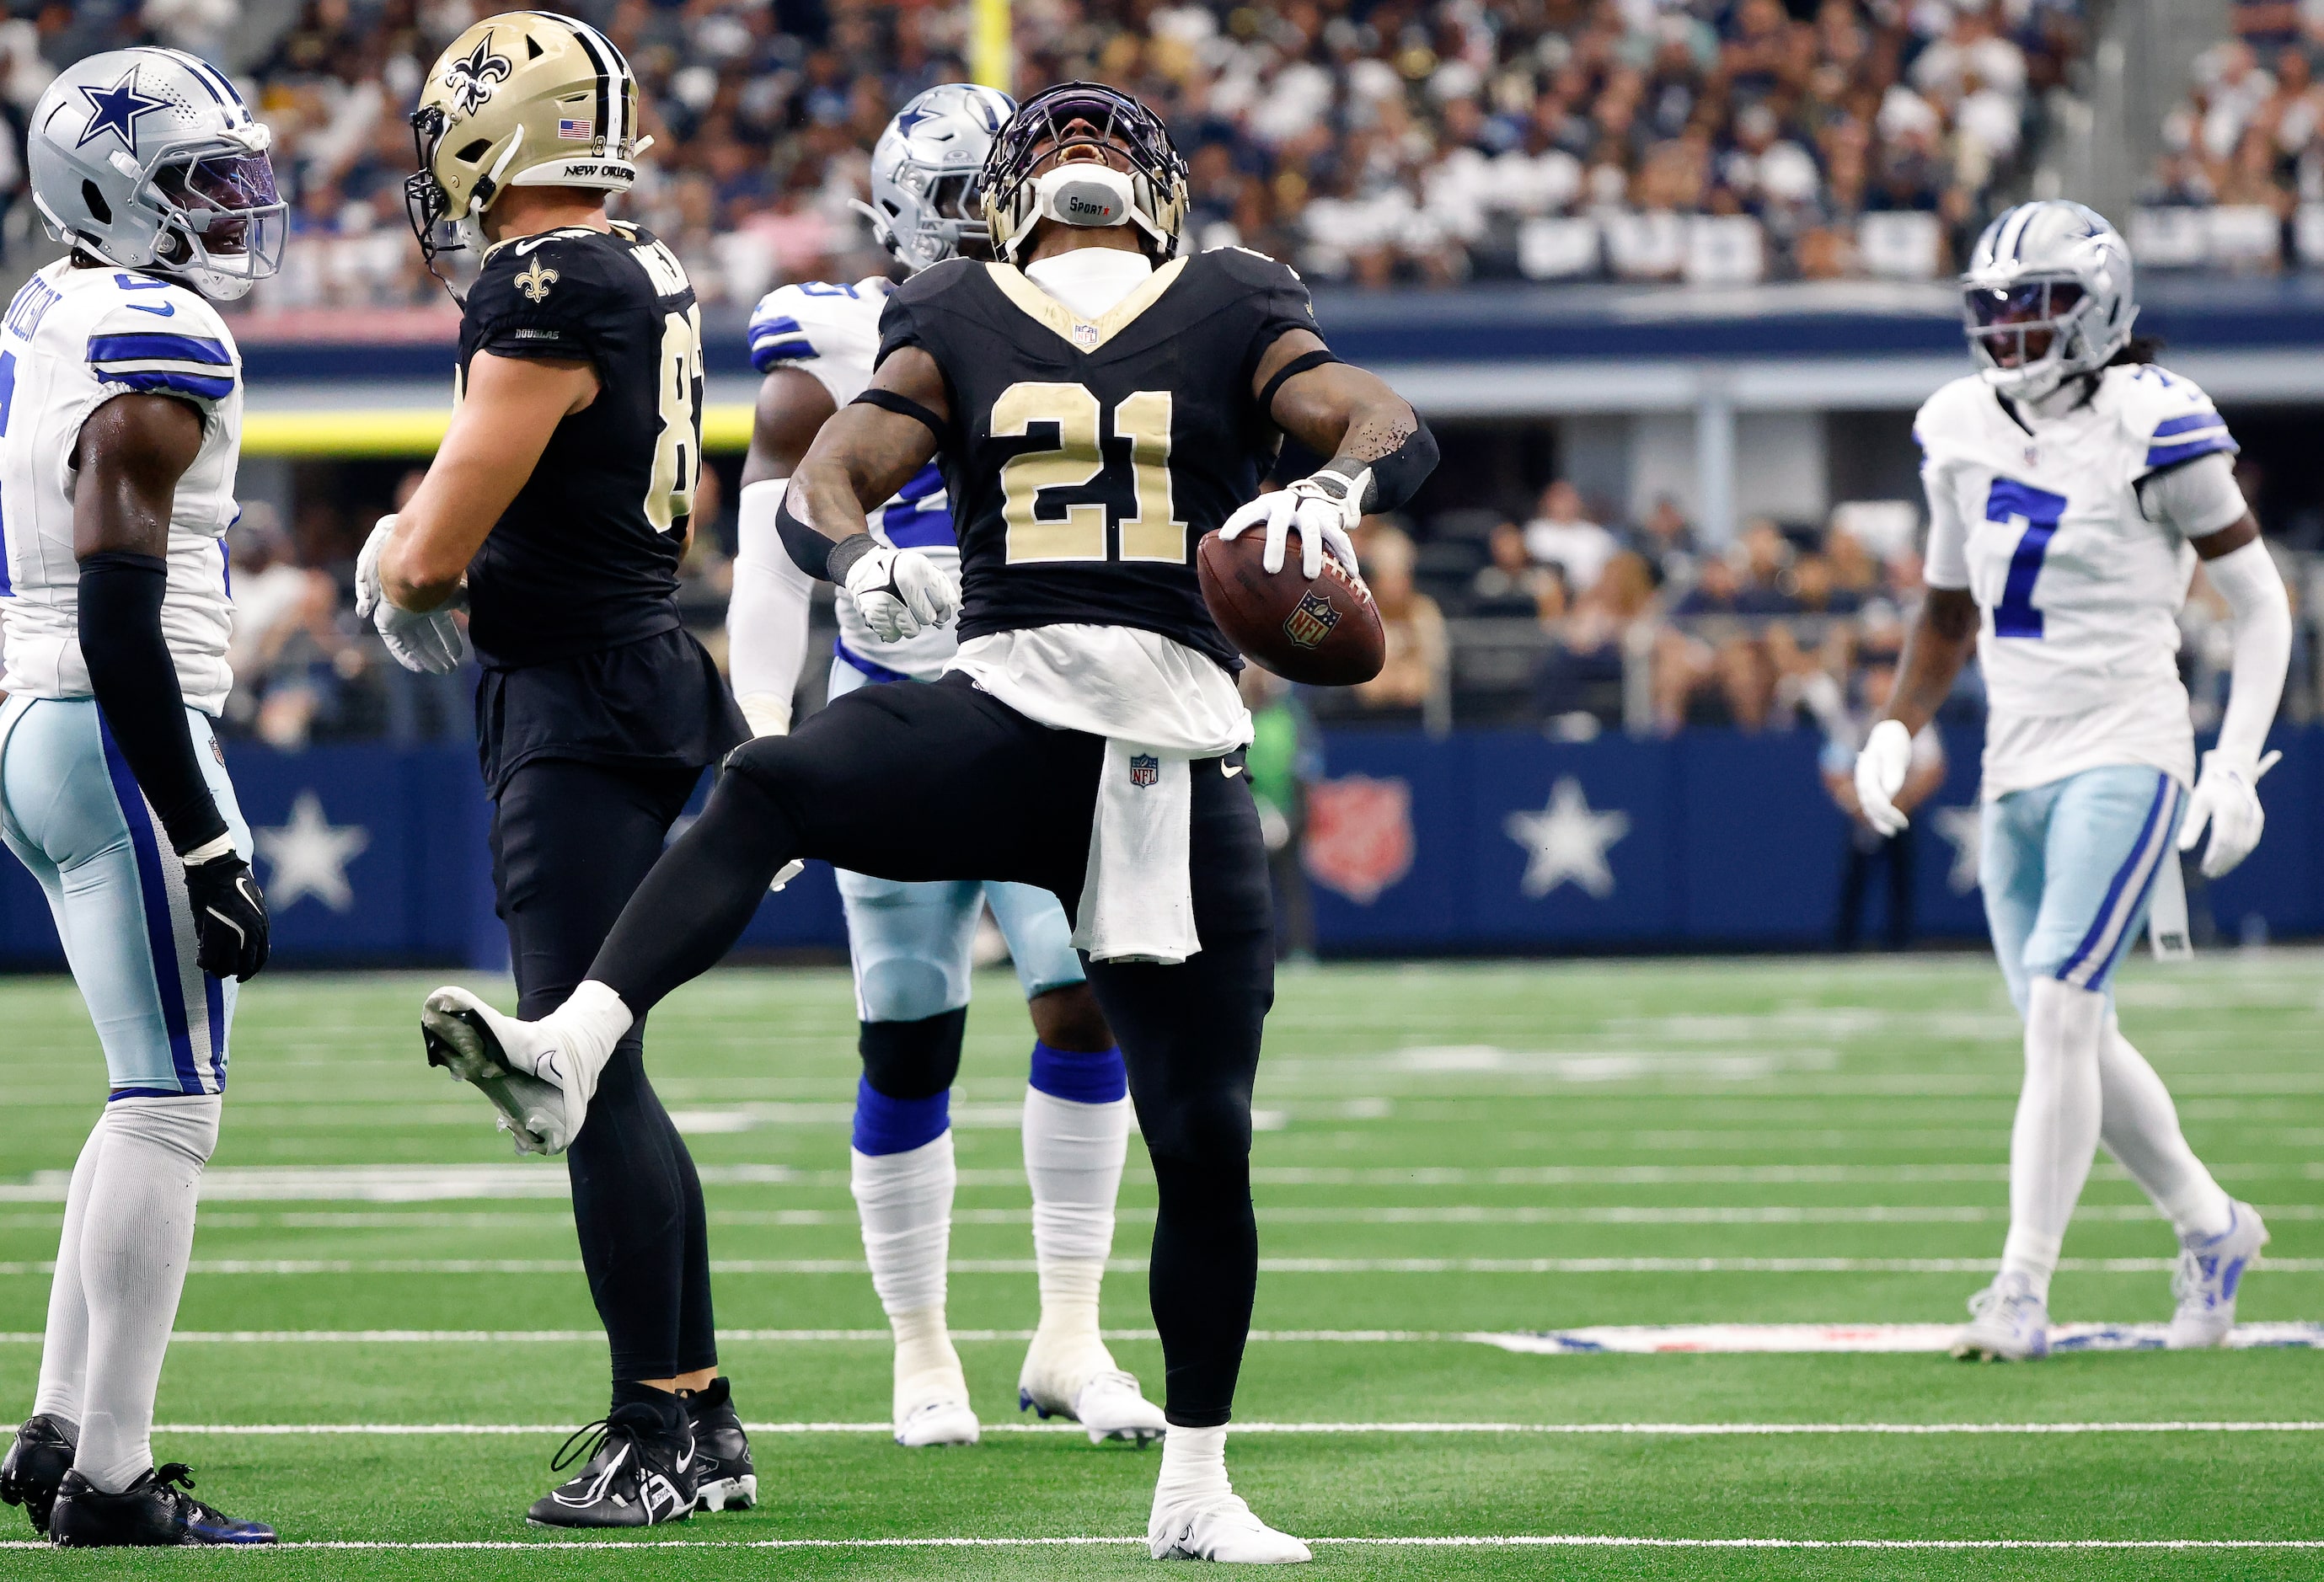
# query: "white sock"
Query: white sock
593,1019
136,1236
2141,1129
1193,1466
905,1202
2056,1134
64,1348
1074,1157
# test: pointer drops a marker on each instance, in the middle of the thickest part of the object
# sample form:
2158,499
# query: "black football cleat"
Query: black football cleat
640,1473
722,1452
36,1463
154,1512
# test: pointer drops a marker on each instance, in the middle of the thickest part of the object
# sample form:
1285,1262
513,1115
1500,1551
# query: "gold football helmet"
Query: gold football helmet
527,98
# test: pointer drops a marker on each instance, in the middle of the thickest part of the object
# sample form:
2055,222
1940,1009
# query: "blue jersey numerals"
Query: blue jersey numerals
2041,511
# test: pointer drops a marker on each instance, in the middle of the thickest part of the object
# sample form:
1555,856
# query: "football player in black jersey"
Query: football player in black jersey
558,511
1098,401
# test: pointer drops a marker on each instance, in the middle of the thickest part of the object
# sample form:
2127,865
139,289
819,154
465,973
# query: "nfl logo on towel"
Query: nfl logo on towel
1311,621
1145,768
575,130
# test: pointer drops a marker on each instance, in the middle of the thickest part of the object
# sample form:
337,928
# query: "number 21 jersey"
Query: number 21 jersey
2078,590
1085,458
586,557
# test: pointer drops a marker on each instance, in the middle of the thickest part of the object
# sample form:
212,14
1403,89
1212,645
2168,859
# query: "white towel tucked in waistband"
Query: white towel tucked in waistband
1158,705
1137,902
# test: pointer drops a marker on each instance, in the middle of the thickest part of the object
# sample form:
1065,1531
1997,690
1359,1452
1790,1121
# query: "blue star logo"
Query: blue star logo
115,109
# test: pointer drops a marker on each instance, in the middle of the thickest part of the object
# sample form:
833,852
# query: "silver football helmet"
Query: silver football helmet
924,172
148,158
2046,296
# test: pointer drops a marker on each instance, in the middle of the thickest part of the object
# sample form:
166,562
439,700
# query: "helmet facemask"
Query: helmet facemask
2032,334
223,223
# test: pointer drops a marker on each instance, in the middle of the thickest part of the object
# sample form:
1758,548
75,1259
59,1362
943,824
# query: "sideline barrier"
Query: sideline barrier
1481,842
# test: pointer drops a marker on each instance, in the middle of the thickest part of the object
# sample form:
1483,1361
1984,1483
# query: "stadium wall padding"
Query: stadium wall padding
1481,842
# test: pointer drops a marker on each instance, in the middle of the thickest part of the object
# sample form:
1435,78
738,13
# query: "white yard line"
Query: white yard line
1632,1340
1500,1541
1650,1429
1705,1266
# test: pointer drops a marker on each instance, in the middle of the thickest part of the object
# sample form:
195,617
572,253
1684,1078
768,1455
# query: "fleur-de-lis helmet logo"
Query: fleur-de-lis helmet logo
470,80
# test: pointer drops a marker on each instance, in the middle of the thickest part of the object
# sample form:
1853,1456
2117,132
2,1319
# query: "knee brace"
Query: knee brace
913,1060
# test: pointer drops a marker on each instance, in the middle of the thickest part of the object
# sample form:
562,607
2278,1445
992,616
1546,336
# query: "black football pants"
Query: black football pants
946,782
570,842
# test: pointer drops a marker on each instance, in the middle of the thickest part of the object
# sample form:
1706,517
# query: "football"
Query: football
1320,633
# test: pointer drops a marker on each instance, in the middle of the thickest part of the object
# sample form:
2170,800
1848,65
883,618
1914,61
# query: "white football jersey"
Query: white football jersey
832,332
73,339
2078,590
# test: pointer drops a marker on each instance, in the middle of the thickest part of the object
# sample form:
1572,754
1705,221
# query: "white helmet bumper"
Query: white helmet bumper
2047,297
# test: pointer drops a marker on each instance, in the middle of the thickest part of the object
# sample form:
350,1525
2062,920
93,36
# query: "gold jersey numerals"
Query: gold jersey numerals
1151,532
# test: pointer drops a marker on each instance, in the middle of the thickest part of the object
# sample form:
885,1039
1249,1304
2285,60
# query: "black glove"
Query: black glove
230,925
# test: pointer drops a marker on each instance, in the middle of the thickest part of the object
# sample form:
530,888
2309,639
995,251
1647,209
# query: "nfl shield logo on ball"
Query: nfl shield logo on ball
1145,768
1311,621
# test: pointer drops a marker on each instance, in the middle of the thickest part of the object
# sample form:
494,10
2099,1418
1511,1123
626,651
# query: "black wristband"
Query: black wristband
903,406
1291,370
846,553
134,680
1398,476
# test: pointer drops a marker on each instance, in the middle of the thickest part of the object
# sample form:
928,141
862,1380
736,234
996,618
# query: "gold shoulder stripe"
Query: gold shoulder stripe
1084,336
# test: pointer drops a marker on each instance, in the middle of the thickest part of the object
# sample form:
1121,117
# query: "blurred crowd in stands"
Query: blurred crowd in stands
2240,182
1394,141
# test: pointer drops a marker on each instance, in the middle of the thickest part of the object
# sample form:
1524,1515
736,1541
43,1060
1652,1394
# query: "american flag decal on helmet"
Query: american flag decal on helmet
571,131
1312,621
1145,768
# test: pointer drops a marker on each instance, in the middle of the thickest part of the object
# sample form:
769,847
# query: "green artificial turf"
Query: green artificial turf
1855,1111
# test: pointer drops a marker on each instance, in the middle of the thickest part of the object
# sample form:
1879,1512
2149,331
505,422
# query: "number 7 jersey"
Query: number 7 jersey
2078,590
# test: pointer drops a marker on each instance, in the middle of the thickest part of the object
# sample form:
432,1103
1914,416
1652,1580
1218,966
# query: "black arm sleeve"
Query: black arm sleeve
135,682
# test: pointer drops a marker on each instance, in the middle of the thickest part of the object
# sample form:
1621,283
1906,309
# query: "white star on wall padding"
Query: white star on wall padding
1963,829
309,856
1567,842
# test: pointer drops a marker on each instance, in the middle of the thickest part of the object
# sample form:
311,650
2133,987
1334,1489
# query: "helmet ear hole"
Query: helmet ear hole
473,151
94,199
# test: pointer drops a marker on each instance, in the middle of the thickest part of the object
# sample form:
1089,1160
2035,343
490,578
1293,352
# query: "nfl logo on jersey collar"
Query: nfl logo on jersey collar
1086,337
1145,768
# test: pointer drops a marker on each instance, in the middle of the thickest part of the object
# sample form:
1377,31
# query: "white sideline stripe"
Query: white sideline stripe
417,1183
1632,1340
1658,1430
1266,1265
1503,1541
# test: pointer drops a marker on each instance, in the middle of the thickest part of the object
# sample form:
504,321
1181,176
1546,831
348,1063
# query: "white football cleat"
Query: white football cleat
540,1088
931,1408
2210,1269
1079,1383
1220,1527
2008,1323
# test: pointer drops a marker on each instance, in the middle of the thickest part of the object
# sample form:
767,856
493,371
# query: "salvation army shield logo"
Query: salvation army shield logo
1145,768
1311,620
1360,835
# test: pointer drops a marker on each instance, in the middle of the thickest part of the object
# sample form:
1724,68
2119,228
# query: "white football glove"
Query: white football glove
901,594
2227,798
1880,770
430,641
1323,506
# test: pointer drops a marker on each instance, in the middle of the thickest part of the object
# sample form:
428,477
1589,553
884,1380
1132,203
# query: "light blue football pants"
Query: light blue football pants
2067,868
72,812
910,942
